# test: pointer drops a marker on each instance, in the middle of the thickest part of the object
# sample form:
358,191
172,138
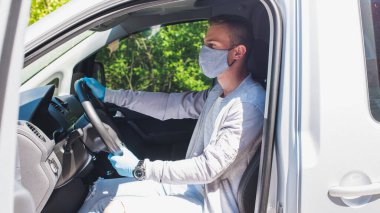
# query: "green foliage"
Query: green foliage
160,59
41,8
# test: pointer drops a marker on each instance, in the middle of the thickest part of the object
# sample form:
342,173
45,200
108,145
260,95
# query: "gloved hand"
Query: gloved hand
124,164
97,89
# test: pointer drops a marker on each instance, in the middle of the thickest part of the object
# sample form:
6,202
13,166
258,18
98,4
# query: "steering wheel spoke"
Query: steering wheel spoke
107,130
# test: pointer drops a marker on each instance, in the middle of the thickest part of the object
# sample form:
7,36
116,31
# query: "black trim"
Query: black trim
262,193
207,3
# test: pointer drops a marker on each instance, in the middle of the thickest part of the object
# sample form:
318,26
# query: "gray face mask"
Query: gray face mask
213,62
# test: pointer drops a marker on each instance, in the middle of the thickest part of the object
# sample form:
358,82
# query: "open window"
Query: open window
162,58
125,47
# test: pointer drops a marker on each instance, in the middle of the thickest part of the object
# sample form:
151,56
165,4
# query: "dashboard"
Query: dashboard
46,124
55,116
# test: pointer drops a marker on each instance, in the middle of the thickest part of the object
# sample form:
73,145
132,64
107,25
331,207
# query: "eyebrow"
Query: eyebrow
208,41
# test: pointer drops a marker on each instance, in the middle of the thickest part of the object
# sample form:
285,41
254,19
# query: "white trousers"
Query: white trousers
143,196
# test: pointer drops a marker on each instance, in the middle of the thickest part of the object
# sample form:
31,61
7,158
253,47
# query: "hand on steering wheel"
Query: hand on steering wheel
97,89
106,132
125,163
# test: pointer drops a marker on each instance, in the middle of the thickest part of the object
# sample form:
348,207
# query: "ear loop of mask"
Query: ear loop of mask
232,63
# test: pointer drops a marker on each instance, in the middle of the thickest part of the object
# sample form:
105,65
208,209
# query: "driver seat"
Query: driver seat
246,196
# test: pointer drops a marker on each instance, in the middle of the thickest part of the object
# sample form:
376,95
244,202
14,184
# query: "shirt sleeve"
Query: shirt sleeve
160,105
243,125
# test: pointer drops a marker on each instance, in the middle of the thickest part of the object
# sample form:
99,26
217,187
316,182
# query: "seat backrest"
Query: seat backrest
258,65
248,185
258,59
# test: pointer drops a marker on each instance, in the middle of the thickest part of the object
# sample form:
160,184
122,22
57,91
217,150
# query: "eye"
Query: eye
211,45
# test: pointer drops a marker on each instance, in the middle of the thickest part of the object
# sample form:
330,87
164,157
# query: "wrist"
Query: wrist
107,94
154,170
139,173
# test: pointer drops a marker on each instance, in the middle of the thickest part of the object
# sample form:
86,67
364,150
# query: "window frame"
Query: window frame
271,104
366,60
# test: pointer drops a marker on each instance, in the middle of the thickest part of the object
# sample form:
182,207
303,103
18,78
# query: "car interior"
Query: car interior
62,151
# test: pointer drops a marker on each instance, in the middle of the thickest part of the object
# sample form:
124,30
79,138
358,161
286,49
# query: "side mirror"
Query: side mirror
88,68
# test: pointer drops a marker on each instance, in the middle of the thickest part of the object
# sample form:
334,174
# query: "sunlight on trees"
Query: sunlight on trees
41,8
161,59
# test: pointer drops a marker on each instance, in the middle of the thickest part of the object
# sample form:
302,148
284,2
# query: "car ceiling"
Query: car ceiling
181,11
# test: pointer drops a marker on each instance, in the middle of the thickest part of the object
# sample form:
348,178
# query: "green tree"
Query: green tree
160,59
41,8
165,60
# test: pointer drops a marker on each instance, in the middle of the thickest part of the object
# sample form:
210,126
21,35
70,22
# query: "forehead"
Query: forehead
219,33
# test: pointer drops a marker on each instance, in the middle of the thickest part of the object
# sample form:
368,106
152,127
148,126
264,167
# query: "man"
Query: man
227,134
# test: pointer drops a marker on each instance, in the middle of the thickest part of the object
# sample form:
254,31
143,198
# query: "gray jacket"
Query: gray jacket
218,154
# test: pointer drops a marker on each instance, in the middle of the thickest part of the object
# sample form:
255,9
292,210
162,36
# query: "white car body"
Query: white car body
325,135
13,21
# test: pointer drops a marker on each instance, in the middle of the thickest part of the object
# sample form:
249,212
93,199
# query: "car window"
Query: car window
160,59
370,14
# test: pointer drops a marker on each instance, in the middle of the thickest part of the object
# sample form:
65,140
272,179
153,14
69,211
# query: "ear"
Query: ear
239,52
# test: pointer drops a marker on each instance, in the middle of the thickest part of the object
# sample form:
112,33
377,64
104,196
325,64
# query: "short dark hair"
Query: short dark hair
240,29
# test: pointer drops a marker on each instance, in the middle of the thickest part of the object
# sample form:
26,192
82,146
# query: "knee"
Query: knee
115,206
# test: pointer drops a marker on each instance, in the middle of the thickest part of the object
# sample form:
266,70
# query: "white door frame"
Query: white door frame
14,16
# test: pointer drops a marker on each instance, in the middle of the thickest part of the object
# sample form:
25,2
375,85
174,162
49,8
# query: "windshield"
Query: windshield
38,65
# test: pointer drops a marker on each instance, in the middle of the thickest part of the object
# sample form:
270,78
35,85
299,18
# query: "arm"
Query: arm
242,126
160,105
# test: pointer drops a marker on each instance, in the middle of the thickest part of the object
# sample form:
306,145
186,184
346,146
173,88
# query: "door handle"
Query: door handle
355,191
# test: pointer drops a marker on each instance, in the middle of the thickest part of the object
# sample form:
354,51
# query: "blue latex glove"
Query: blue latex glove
97,89
124,164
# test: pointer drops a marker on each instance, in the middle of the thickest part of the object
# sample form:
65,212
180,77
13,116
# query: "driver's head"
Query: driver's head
230,32
227,43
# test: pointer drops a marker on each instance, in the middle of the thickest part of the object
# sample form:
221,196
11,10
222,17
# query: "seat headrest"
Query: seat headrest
258,61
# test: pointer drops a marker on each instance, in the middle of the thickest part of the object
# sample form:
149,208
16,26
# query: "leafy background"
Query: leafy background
41,8
161,59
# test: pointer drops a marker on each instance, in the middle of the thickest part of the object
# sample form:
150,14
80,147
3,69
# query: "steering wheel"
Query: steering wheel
106,132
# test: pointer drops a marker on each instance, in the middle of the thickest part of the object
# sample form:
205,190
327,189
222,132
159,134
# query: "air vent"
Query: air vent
58,107
35,131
